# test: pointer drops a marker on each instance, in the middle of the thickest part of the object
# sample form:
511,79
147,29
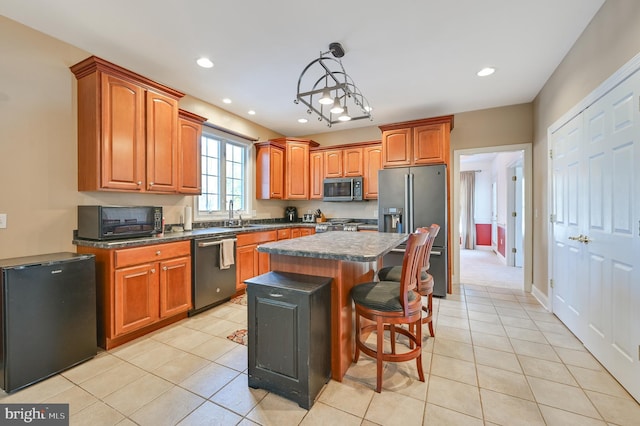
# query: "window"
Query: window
224,174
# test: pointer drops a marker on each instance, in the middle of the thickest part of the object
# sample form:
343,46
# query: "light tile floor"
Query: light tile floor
498,358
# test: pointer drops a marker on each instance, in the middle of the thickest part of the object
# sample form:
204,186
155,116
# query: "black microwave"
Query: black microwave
342,189
117,223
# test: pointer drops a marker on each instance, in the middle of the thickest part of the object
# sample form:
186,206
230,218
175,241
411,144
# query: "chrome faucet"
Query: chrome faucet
230,210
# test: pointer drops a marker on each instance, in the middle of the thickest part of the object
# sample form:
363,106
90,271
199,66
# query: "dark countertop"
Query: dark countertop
168,237
337,245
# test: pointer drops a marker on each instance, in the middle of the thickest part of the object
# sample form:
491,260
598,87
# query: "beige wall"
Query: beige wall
611,39
38,154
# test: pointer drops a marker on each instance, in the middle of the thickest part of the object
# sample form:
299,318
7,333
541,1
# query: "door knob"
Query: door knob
578,238
584,239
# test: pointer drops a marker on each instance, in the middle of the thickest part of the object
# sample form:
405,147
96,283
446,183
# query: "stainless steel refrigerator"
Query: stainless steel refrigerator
412,197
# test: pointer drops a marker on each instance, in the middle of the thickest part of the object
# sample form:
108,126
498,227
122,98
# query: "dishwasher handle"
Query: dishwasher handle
213,243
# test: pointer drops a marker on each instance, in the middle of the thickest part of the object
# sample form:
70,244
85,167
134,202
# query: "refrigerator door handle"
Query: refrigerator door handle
411,204
407,212
436,253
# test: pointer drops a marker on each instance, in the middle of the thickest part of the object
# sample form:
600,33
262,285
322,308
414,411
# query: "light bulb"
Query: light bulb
336,108
326,98
345,115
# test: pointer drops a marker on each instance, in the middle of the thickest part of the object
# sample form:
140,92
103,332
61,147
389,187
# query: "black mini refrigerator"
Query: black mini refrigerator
48,316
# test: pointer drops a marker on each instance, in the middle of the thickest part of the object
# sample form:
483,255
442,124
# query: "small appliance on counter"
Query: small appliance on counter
117,223
290,214
308,217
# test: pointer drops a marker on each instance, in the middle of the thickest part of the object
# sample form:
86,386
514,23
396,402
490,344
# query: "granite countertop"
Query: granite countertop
168,237
338,245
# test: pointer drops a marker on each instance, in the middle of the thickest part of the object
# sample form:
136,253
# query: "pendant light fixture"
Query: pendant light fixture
327,90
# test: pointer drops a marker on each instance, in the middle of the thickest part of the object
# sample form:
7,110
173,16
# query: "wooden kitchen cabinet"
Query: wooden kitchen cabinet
128,131
352,159
296,171
140,289
269,171
372,163
189,153
333,163
316,165
349,160
418,142
249,262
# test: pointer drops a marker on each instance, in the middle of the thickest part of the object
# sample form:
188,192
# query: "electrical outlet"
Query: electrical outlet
3,220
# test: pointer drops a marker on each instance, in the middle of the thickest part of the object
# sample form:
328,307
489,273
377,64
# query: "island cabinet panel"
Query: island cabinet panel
372,163
269,171
128,137
418,142
189,153
316,164
140,289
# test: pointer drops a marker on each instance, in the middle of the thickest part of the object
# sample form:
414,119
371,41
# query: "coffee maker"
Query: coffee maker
290,214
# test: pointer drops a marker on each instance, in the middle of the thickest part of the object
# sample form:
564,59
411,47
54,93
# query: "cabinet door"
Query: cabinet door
123,144
316,160
175,286
333,163
353,162
296,232
372,164
269,172
136,297
246,264
162,143
297,171
429,144
189,170
396,147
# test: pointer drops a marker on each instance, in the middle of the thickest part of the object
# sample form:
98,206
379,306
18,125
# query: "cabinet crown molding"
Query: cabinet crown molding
421,122
94,63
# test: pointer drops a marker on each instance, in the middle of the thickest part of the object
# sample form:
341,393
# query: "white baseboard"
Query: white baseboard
540,297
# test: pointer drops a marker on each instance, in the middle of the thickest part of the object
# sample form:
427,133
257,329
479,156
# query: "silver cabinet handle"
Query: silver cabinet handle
436,253
275,295
164,268
396,250
214,243
158,253
153,270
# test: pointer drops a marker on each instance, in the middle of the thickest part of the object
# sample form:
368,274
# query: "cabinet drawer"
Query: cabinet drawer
256,238
137,255
284,234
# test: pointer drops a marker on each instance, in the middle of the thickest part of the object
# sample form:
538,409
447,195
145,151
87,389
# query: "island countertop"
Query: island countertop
337,245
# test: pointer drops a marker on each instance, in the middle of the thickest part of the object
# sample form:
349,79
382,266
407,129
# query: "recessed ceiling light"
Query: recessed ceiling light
205,62
486,71
226,100
251,112
302,120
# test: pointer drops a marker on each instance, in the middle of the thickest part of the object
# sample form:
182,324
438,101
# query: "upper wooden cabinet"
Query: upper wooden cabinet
347,160
189,151
417,142
128,131
295,171
269,171
353,162
372,163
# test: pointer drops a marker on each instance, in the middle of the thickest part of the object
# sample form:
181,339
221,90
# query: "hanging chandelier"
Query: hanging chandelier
326,89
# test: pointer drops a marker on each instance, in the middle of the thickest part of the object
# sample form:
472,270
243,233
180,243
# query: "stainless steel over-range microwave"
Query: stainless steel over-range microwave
342,189
114,223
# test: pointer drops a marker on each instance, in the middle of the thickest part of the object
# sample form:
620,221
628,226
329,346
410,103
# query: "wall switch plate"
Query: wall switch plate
3,220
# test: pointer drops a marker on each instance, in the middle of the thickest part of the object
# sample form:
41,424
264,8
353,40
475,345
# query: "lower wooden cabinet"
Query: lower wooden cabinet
140,289
250,262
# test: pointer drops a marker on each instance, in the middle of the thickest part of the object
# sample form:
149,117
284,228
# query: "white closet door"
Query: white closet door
611,153
569,299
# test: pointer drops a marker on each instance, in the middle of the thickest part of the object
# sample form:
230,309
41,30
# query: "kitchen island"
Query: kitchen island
347,257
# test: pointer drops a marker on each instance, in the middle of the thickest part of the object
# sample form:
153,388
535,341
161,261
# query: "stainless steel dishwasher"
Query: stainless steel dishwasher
210,284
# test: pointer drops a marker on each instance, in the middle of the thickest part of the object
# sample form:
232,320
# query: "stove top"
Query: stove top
338,225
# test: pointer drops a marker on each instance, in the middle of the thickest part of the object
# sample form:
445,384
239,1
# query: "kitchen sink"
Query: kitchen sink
249,225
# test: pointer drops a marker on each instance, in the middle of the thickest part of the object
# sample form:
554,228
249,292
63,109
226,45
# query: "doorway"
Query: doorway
492,221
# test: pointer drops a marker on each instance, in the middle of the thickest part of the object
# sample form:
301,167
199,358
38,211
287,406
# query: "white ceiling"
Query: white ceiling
410,58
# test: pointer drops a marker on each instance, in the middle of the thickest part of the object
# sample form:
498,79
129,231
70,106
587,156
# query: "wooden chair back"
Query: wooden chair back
411,265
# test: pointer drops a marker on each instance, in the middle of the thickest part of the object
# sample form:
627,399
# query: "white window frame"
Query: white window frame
224,138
